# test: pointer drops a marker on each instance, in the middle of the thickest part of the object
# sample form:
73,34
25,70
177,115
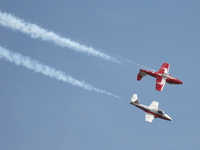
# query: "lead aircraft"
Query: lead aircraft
152,111
162,76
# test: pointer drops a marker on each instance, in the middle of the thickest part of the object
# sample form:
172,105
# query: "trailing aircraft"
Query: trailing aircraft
162,76
152,110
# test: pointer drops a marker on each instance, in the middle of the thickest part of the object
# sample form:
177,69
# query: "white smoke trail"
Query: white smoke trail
139,65
125,60
10,21
31,64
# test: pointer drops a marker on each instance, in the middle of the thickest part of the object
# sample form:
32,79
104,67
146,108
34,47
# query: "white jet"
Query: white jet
152,110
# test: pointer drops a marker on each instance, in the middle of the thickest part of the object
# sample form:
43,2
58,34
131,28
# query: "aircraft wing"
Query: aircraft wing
149,117
154,104
160,83
164,68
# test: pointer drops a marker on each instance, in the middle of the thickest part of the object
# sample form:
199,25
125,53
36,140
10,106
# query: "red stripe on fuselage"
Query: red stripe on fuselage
155,114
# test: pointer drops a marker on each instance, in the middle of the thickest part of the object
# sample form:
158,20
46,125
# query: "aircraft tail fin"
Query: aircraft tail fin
134,99
141,74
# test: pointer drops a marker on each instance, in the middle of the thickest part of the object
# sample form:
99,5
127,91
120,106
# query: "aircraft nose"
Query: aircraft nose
179,81
168,117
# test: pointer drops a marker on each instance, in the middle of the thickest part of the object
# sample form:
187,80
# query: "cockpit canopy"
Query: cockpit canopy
160,112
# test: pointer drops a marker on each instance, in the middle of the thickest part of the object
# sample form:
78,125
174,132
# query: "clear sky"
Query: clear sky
41,113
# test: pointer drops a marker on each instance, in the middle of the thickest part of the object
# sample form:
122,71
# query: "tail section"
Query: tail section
134,99
141,74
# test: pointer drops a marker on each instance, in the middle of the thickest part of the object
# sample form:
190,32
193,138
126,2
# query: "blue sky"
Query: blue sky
39,112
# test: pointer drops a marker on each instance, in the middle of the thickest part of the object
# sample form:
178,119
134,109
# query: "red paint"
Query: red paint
160,76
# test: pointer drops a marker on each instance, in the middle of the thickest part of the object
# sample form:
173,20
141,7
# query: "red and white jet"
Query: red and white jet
162,76
152,111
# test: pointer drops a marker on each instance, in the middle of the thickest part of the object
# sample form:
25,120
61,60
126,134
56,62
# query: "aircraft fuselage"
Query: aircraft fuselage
156,112
169,78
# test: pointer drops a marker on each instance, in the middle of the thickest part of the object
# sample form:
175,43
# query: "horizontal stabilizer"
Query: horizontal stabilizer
140,75
134,99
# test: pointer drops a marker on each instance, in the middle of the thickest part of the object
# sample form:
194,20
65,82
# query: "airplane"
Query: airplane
162,76
152,110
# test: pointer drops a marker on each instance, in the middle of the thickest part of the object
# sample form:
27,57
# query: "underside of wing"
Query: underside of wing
159,87
149,117
164,68
160,83
154,105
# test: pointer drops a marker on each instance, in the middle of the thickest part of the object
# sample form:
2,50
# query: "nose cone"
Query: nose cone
168,117
178,81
